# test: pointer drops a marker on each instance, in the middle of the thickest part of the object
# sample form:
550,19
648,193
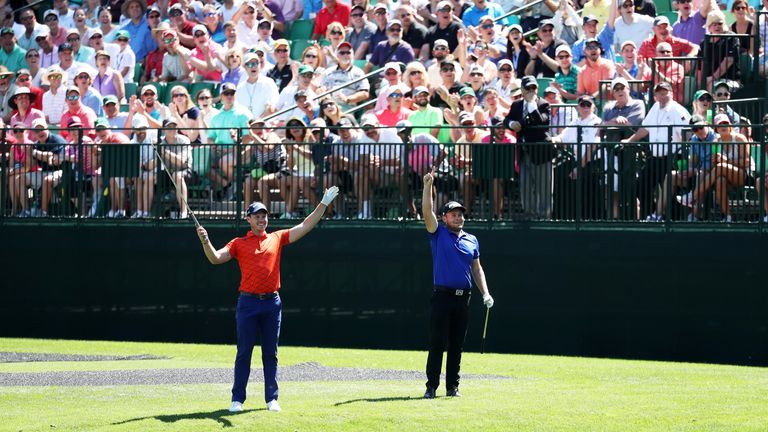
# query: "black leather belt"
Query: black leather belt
454,291
259,296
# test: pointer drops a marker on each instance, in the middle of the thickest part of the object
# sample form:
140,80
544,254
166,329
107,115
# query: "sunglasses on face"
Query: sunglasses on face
335,32
73,97
476,74
585,104
251,64
395,29
505,70
229,93
445,9
618,87
265,27
440,48
628,5
487,26
390,73
416,72
308,75
281,50
696,128
591,47
199,34
178,13
379,12
356,15
179,95
447,70
202,98
308,55
154,16
546,30
169,41
396,95
75,39
722,94
705,99
51,18
345,53
122,39
326,105
738,8
24,79
96,36
405,15
563,57
33,55
18,131
83,77
54,76
209,14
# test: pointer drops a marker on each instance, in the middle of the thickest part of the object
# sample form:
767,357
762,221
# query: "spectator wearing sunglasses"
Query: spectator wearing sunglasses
204,57
380,19
175,65
595,69
360,31
125,61
605,37
446,29
394,49
345,72
662,32
413,32
333,10
632,26
394,111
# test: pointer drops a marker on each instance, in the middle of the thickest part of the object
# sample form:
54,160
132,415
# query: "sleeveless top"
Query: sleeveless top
106,84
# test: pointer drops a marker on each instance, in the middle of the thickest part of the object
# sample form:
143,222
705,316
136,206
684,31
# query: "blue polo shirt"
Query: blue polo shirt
142,42
452,257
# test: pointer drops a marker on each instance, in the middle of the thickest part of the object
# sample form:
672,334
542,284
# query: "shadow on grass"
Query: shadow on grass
219,416
384,399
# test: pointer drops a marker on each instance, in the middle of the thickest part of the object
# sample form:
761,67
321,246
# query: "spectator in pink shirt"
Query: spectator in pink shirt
21,103
203,58
394,112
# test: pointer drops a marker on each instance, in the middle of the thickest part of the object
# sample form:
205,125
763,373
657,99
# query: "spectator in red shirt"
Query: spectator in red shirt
259,308
662,32
332,11
394,112
182,26
669,71
75,108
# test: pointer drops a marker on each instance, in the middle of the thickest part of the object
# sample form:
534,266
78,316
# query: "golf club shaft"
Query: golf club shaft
173,182
485,330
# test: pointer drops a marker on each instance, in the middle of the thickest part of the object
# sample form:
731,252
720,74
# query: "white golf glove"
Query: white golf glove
488,301
329,195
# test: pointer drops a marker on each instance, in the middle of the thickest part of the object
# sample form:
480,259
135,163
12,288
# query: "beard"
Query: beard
393,39
421,102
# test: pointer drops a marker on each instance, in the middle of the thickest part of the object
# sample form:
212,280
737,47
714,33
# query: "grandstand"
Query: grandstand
527,111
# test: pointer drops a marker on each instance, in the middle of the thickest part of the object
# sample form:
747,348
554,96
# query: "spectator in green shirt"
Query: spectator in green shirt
11,54
223,132
425,118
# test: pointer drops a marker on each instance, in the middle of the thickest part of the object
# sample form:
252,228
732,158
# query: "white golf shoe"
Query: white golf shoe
236,407
273,406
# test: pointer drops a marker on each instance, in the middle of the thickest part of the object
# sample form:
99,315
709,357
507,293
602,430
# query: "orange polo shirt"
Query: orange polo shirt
589,78
259,260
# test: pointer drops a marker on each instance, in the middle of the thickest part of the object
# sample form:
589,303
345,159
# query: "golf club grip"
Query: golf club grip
194,219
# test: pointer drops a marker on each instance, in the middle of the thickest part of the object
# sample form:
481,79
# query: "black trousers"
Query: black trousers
649,179
448,329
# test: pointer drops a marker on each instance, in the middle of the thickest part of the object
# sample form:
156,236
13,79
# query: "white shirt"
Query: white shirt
72,71
256,96
49,59
125,58
589,133
208,117
637,32
113,50
388,147
674,115
68,20
54,105
286,99
247,36
227,14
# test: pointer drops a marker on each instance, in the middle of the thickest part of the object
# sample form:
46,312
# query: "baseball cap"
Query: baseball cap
74,121
280,42
628,42
661,20
380,6
440,42
95,31
419,90
345,122
550,89
663,86
249,56
66,46
467,91
721,118
306,69
392,65
139,122
369,120
546,22
589,18
465,116
343,44
102,53
39,122
723,83
700,93
393,23
122,34
452,205
517,27
699,120
176,7
528,81
72,89
619,80
593,41
170,121
300,93
109,99
6,31
256,207
228,87
50,12
41,32
507,62
586,98
101,123
264,21
476,68
24,71
74,31
486,18
403,125
563,48
148,87
199,27
444,4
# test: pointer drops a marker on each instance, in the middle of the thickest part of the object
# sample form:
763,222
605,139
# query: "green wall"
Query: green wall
694,296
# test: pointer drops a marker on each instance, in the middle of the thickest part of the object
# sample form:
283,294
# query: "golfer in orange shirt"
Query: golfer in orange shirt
259,309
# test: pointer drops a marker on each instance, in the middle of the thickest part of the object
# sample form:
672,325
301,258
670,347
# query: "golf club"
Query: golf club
485,330
173,182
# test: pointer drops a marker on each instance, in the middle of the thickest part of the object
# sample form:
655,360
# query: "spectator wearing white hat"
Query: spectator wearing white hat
89,96
506,84
246,24
58,33
82,53
301,87
631,68
48,152
567,75
392,76
21,102
48,51
258,93
394,111
35,71
478,56
24,79
264,32
203,59
543,48
54,100
97,41
440,52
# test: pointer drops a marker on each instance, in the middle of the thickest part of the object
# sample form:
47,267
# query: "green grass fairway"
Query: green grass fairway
541,394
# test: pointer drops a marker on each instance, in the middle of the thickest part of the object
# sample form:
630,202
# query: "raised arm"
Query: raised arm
430,220
214,256
309,223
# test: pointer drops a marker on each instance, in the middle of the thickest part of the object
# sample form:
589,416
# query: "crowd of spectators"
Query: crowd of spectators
534,83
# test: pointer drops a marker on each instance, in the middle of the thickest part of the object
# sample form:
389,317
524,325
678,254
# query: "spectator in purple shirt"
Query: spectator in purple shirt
394,49
690,24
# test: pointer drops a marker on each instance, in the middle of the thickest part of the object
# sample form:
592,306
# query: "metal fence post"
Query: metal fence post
3,171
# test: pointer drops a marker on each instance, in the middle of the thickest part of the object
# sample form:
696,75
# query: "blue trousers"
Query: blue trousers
256,316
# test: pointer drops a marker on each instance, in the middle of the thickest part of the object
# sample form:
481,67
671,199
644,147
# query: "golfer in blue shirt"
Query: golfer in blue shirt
455,263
